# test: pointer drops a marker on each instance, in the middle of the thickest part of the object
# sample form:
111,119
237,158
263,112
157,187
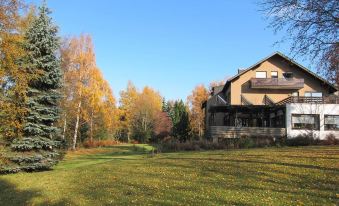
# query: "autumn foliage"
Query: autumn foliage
88,105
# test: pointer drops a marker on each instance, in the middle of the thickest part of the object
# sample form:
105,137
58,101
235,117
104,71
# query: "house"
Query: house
276,97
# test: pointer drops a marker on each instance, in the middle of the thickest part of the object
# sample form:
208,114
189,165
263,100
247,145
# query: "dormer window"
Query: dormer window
288,75
260,74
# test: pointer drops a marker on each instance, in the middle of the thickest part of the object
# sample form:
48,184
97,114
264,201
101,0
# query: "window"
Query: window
260,74
288,75
274,74
313,94
331,122
295,94
212,119
305,121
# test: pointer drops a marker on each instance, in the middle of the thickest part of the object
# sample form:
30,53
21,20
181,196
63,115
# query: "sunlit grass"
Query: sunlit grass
127,174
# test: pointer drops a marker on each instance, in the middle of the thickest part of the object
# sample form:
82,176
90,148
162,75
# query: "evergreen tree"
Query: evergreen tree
38,149
180,121
164,107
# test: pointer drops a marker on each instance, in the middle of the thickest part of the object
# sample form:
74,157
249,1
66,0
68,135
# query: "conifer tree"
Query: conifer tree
180,121
37,150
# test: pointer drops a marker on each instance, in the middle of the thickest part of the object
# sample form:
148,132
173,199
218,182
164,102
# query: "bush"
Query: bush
302,140
246,142
134,142
171,144
330,140
99,143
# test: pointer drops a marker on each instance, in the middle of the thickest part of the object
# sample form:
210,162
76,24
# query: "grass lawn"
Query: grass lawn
121,175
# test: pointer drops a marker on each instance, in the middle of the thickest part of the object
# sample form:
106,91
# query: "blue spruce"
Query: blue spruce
38,149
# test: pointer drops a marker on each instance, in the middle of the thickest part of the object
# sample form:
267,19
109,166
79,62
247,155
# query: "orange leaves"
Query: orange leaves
13,78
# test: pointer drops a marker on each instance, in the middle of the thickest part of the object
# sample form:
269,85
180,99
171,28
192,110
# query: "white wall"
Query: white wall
306,108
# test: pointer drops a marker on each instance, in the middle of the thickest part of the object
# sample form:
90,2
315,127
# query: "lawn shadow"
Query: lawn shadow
299,165
11,195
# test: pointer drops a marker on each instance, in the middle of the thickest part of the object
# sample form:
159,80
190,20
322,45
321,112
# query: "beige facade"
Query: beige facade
241,85
257,100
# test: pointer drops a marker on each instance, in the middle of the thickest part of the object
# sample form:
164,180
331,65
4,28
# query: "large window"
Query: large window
260,75
313,94
331,122
305,121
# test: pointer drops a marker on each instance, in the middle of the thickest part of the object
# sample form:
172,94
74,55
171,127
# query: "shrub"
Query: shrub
134,142
99,143
302,140
246,142
330,140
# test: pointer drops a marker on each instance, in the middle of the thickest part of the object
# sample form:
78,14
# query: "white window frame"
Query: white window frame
327,122
305,121
313,94
260,76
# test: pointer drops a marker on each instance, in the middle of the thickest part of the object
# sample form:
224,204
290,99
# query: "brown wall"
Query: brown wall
276,63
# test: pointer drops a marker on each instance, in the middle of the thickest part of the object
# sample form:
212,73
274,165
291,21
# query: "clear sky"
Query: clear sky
170,45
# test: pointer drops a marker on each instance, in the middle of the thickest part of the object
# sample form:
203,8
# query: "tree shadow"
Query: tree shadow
299,165
11,195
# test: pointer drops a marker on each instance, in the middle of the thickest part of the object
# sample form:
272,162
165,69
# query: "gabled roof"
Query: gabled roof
288,59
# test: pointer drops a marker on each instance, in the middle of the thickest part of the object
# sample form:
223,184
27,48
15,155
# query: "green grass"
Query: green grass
127,175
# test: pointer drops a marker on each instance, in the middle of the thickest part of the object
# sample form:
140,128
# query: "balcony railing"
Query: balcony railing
301,99
277,83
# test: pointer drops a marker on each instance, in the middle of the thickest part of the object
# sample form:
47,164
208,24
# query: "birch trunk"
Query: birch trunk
64,130
91,126
76,126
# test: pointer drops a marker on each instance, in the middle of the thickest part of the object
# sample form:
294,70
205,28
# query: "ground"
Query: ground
129,175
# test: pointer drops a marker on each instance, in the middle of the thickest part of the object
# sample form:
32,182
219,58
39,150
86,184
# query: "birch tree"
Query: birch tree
78,62
196,115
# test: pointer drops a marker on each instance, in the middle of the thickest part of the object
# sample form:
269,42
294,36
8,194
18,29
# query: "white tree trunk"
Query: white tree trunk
65,124
76,127
91,126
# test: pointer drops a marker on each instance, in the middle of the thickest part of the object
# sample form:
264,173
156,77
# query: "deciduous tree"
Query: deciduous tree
312,27
128,98
196,115
145,112
13,78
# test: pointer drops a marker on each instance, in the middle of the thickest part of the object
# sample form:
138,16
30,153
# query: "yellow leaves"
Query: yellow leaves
85,85
195,100
12,108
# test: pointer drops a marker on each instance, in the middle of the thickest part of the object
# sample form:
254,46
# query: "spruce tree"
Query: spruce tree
38,149
180,121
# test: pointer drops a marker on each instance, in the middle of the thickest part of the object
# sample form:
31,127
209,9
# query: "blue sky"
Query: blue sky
170,45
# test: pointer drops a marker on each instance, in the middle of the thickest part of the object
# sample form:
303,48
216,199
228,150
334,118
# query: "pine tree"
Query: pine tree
38,149
164,105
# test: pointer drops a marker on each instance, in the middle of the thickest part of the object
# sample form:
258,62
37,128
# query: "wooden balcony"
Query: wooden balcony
316,100
236,132
277,83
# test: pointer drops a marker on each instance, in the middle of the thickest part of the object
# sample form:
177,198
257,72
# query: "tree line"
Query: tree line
54,97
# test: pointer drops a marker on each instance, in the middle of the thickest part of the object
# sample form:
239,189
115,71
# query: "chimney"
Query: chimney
240,70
